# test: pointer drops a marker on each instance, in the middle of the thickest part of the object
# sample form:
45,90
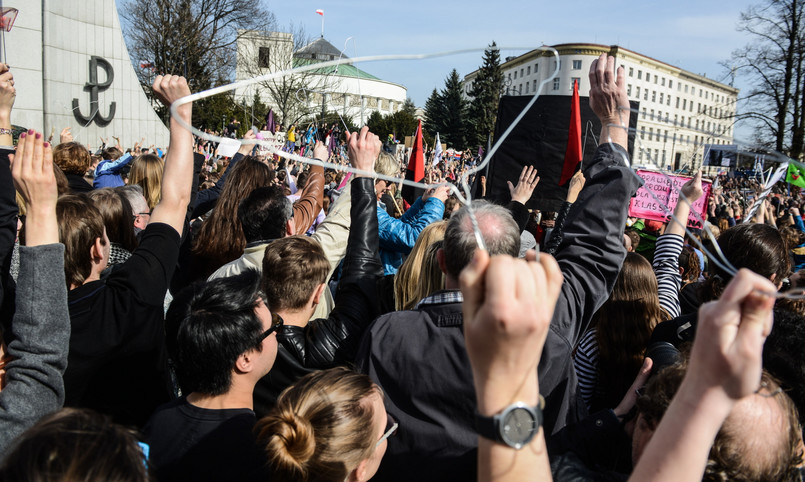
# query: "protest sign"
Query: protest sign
665,189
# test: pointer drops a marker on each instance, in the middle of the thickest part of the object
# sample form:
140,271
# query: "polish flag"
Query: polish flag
320,12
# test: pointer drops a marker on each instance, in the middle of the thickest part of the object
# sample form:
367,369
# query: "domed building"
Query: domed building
345,89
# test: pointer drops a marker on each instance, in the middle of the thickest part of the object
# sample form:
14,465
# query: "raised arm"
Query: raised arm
669,247
508,305
177,179
576,185
356,297
591,252
308,206
41,323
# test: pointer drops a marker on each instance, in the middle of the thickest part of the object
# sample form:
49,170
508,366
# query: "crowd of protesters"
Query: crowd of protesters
172,314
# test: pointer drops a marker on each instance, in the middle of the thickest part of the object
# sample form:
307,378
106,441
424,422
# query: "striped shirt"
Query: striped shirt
669,281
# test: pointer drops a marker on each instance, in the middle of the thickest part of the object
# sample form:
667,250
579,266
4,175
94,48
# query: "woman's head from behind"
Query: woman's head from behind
757,247
408,283
75,445
328,426
146,172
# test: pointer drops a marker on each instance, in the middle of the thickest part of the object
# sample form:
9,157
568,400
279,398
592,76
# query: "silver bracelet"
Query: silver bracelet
4,131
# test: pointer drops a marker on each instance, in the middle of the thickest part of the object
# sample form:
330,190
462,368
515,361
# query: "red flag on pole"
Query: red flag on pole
416,168
573,151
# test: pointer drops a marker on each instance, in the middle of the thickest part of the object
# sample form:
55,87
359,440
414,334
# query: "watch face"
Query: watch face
519,427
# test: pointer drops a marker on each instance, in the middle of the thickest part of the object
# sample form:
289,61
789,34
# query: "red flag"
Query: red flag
416,167
573,151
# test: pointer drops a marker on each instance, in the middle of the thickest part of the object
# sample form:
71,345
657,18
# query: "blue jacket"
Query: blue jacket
107,174
397,236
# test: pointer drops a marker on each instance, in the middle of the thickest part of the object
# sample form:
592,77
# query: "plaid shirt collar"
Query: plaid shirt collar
442,297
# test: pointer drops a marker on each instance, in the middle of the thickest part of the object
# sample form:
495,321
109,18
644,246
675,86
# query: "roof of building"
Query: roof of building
320,49
343,70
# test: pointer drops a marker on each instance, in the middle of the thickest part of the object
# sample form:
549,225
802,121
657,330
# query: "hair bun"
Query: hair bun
292,439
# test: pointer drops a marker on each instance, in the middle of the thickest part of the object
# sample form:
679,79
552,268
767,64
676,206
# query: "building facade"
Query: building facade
344,89
679,111
72,69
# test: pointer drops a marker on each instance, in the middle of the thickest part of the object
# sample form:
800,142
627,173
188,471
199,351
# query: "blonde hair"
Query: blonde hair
321,427
417,278
146,172
387,165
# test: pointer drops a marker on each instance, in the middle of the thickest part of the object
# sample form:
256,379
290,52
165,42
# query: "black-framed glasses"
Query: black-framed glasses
391,427
276,324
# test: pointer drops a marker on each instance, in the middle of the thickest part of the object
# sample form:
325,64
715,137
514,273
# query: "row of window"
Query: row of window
525,71
685,105
707,95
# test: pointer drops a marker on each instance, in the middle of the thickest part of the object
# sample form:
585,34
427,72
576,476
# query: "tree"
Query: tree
773,64
434,113
485,95
455,111
194,38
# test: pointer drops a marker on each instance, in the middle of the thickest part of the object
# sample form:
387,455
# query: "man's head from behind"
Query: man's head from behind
216,323
82,232
759,440
266,214
294,272
498,229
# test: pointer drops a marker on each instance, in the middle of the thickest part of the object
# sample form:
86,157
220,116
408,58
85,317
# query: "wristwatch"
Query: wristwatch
515,426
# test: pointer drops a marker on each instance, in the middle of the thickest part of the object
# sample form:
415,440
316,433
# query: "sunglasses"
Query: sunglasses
391,427
276,324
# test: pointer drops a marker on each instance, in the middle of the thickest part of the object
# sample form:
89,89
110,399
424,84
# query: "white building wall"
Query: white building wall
679,111
50,48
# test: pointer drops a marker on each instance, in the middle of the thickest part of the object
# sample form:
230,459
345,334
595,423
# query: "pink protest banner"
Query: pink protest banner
665,188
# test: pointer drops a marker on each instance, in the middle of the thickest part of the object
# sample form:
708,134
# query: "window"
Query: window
574,80
645,94
264,58
528,70
686,89
577,65
651,133
515,75
684,104
639,74
654,96
682,119
670,84
631,71
534,87
536,68
691,106
656,78
629,89
637,91
652,114
662,82
677,102
668,101
526,87
521,72
556,83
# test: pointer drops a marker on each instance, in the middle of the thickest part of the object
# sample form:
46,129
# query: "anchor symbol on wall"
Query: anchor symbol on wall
94,87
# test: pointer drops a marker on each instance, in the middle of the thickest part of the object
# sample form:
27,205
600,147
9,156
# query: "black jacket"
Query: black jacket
419,359
332,341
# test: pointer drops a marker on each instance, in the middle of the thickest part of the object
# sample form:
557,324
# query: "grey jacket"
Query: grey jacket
41,329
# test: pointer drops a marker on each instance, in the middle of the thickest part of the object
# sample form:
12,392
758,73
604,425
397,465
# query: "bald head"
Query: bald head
498,229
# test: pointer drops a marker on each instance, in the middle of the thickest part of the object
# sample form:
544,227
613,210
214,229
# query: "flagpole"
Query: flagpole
322,25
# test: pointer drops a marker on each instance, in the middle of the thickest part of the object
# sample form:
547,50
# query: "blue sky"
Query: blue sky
693,35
